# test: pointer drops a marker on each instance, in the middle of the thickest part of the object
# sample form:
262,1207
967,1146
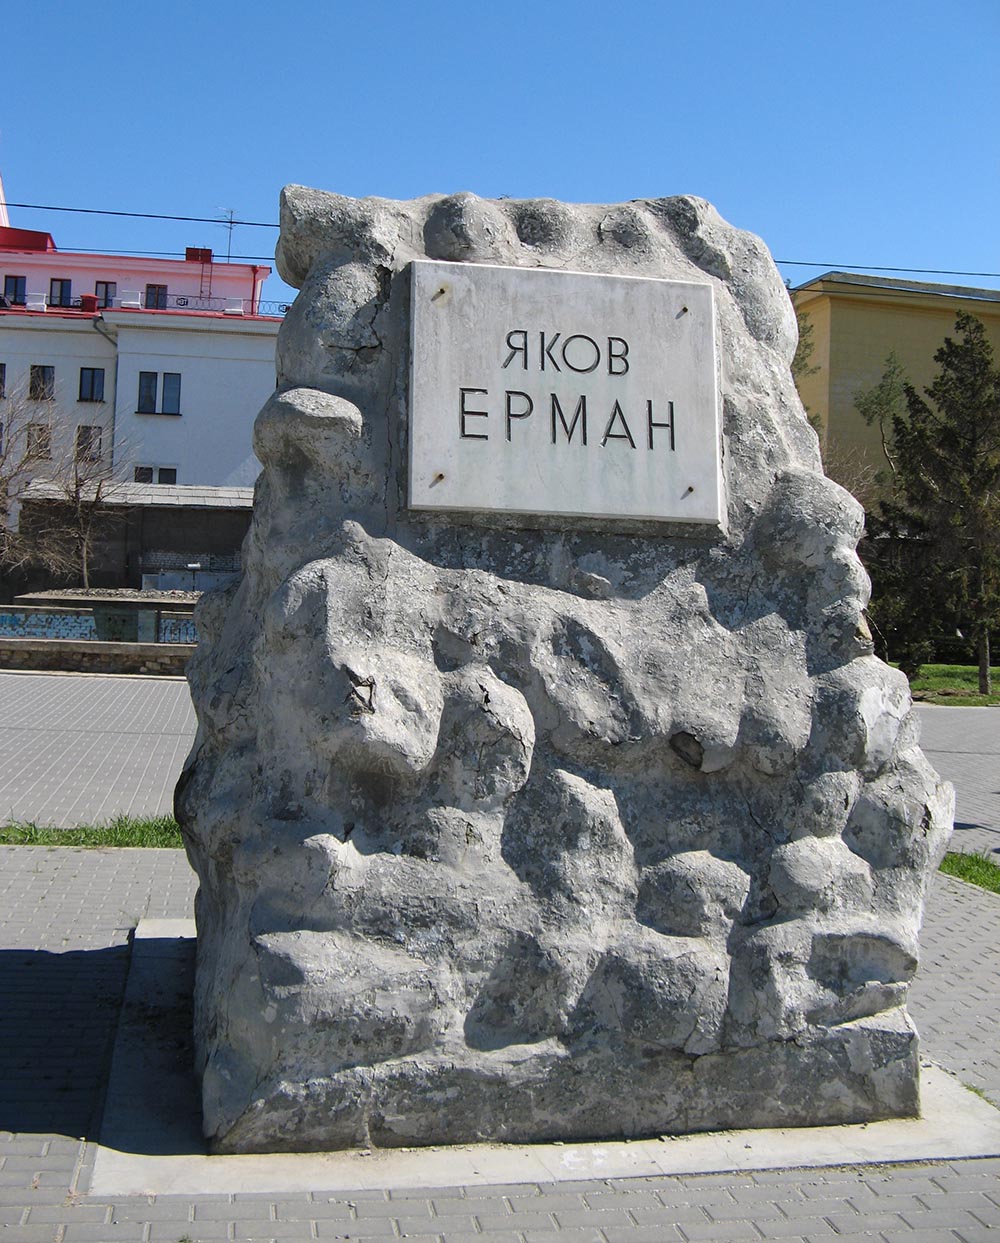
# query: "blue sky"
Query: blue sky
851,134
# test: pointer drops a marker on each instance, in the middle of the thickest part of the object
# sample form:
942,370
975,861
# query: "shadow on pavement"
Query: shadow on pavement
153,1104
979,830
60,1012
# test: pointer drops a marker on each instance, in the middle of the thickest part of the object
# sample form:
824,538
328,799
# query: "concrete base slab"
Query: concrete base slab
151,1142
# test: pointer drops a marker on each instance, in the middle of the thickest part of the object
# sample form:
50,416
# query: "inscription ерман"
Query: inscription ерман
612,414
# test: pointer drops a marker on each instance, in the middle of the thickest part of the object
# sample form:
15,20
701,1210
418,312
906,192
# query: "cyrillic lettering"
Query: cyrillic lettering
546,350
669,425
579,336
464,414
521,349
617,414
580,415
516,414
621,356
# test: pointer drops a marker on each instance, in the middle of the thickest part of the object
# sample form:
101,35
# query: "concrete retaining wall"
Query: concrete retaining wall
82,656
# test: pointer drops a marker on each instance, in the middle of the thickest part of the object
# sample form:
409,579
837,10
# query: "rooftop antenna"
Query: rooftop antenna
4,218
228,217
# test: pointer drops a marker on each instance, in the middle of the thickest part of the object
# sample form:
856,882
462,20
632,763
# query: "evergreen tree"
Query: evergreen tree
946,456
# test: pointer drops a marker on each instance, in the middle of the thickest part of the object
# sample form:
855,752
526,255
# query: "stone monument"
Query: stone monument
546,785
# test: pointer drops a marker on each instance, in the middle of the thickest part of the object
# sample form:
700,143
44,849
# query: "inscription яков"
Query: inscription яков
515,419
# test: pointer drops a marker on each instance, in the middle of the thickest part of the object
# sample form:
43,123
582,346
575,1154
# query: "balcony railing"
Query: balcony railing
136,300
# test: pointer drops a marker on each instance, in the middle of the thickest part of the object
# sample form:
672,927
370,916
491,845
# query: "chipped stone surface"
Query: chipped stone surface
519,830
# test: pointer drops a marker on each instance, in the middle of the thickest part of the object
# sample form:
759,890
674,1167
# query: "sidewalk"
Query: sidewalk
963,744
81,749
65,919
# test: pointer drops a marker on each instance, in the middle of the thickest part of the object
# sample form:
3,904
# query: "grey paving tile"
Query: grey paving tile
86,1232
516,1190
576,1234
952,1217
375,1228
795,1228
392,1208
207,1232
452,1207
43,1213
461,1222
933,1235
977,1234
22,1146
844,1223
130,1210
230,1211
494,1236
622,1199
312,1210
420,1224
668,1213
979,1201
886,1203
31,1234
35,1195
582,1185
438,1193
50,1178
276,1231
729,1231
551,1202
592,1218
760,1210
816,1208
643,1234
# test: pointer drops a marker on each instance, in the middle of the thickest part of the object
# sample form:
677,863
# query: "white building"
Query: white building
162,363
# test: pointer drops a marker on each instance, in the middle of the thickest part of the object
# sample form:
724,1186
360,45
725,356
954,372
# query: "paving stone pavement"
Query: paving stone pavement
963,744
80,749
65,917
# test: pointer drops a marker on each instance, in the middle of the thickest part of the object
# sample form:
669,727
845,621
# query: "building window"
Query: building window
156,297
106,292
3,379
41,383
60,293
39,441
91,384
163,474
88,443
170,402
15,290
171,393
147,392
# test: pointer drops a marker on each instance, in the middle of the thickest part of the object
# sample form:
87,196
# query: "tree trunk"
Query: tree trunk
983,644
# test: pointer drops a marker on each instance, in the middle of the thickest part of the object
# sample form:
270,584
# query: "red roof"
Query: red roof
25,239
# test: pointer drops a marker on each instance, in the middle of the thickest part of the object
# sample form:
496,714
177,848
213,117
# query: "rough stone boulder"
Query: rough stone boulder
564,829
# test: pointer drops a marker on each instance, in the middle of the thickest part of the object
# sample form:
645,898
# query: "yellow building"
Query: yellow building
857,321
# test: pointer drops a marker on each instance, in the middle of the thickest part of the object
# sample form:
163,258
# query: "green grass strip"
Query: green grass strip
954,685
158,831
976,869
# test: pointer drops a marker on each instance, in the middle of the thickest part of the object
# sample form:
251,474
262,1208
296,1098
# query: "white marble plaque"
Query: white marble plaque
542,392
